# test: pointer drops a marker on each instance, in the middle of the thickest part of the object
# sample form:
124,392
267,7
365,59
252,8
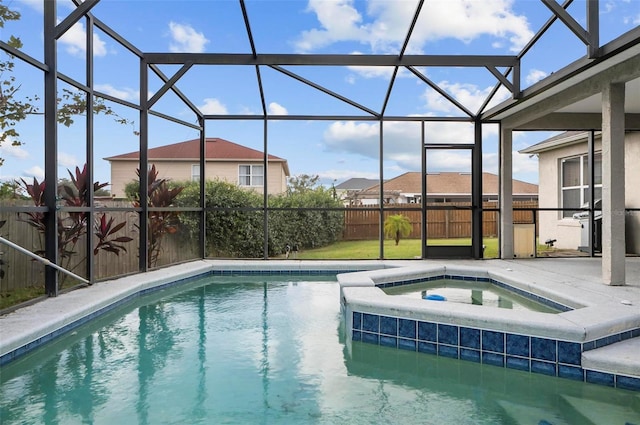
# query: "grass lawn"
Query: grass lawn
369,250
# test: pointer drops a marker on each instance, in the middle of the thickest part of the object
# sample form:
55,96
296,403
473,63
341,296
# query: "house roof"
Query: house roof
216,149
357,183
563,139
449,183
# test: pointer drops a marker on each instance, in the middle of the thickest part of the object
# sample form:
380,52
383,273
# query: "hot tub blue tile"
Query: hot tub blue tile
428,331
602,342
470,355
586,346
635,333
519,363
600,378
569,352
389,341
493,341
370,338
545,368
543,349
407,344
370,322
571,372
407,328
388,325
427,347
493,359
628,383
448,351
470,337
612,339
356,336
518,345
447,334
357,320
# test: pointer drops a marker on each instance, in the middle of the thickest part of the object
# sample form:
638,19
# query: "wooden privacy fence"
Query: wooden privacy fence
20,271
361,224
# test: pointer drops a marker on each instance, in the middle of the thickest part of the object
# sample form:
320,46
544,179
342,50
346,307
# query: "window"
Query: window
195,172
575,181
250,175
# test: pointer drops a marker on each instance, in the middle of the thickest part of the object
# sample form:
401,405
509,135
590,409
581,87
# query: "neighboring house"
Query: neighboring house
441,187
563,170
225,160
347,190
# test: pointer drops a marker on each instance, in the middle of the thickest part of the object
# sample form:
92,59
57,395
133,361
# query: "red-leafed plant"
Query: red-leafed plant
72,225
103,230
160,223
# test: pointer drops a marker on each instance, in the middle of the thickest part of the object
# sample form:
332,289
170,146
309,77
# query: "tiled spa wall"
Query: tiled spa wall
528,353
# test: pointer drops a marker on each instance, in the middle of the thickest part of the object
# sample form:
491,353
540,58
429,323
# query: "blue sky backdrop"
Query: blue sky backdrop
334,150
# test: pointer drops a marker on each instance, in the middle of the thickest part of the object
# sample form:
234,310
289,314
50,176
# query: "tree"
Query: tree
10,190
302,183
14,109
396,226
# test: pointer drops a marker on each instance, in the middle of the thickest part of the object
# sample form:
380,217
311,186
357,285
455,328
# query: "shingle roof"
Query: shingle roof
216,148
561,139
449,183
357,183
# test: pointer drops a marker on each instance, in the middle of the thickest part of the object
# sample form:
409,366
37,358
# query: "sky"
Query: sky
334,150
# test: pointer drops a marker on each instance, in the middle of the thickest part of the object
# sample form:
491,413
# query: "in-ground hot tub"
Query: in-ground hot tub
534,341
473,292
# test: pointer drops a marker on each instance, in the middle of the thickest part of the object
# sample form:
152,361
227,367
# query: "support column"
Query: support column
613,188
506,192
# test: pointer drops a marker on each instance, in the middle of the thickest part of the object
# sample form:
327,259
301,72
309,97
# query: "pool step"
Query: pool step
621,358
523,414
597,412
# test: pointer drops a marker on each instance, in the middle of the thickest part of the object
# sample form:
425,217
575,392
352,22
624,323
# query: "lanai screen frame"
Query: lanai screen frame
149,63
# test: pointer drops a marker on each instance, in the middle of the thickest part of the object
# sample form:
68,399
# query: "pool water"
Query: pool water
254,350
468,292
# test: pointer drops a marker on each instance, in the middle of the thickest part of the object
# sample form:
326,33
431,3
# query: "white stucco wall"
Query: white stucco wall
567,231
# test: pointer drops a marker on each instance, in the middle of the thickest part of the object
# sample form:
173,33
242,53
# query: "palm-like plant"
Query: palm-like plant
396,226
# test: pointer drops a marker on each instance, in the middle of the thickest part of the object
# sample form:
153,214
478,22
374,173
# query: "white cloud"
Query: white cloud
124,93
384,26
402,142
525,167
535,75
67,160
32,172
373,71
185,39
340,175
634,20
8,150
469,95
277,109
213,107
75,40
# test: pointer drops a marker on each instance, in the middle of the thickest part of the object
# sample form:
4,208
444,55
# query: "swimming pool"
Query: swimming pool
270,349
472,293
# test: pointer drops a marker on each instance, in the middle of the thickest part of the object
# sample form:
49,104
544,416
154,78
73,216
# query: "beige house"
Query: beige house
564,173
225,160
441,187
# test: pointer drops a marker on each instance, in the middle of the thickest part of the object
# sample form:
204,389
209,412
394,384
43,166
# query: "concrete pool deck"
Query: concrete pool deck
31,326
